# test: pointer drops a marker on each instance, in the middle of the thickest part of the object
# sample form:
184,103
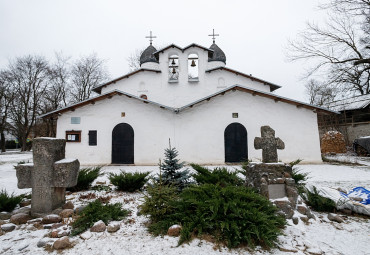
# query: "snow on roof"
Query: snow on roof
352,103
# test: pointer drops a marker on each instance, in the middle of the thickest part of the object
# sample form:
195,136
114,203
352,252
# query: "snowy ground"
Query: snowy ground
321,236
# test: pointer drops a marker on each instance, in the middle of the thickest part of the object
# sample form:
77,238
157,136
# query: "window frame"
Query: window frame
73,132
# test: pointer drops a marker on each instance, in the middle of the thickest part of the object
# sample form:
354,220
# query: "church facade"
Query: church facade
210,112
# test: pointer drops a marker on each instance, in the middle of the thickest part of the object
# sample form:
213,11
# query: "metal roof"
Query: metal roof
352,103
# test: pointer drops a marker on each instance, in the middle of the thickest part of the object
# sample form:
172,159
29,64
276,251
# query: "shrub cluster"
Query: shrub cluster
220,176
128,181
86,177
318,202
8,202
96,211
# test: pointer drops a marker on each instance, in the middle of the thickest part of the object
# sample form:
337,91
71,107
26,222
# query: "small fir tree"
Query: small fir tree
171,166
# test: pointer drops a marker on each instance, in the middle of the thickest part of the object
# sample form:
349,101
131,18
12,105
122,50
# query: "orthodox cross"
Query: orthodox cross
48,176
269,145
213,35
150,37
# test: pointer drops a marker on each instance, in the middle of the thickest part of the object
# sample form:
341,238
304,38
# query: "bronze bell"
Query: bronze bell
173,70
193,63
173,62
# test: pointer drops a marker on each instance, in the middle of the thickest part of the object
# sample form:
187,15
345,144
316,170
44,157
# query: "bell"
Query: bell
173,70
173,62
193,63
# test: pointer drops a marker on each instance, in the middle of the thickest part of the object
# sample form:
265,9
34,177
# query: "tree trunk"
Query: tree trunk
2,142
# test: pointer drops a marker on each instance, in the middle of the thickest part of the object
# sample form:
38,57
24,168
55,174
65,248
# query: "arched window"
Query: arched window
193,71
144,97
173,68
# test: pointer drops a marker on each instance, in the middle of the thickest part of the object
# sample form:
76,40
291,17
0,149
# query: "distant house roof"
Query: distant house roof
207,98
97,89
352,103
272,85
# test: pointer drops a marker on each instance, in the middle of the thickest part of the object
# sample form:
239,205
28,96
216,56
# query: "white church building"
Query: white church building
210,112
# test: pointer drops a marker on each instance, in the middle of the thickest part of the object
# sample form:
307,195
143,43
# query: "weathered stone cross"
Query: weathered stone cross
269,145
49,175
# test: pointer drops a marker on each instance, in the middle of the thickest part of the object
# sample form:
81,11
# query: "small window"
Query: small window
93,141
235,115
75,120
73,136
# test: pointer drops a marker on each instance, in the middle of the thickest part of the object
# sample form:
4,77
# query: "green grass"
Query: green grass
9,201
96,211
86,177
130,182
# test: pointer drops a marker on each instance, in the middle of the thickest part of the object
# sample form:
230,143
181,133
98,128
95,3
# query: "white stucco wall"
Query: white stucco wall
157,88
197,132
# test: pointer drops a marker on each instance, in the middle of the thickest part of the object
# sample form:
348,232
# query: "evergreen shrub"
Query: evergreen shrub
9,201
128,181
220,176
86,177
318,202
96,211
233,215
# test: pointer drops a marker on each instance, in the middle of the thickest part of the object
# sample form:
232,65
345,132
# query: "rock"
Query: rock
47,226
54,234
79,209
302,209
98,227
62,243
34,220
51,218
314,251
44,241
66,213
57,211
287,175
287,248
310,214
113,227
57,225
25,210
86,235
100,182
2,222
174,230
31,228
304,219
25,202
295,220
346,211
68,205
286,207
335,217
8,227
5,215
64,233
20,218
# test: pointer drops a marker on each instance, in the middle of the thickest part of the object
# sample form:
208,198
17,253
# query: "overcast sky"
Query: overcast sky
253,34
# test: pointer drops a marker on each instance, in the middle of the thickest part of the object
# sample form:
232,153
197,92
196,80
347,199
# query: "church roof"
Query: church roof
97,89
148,55
218,54
272,85
171,46
178,110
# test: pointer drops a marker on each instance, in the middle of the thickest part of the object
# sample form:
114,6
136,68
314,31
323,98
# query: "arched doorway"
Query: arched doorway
236,143
123,144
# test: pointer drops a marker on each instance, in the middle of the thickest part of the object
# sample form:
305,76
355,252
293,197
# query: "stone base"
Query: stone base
274,181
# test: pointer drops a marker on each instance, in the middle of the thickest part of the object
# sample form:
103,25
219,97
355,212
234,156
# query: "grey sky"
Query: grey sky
253,34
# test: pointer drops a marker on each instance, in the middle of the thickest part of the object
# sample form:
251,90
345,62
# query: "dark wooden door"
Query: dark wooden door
123,144
236,143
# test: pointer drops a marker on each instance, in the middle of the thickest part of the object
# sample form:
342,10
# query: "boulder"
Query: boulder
62,243
20,218
113,227
44,241
25,202
295,220
86,235
5,215
335,217
174,230
26,210
68,205
8,227
51,218
302,209
66,213
98,227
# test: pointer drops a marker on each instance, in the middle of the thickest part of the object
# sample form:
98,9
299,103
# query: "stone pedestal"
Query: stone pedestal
274,181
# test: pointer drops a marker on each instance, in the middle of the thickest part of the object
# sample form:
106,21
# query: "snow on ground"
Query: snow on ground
322,235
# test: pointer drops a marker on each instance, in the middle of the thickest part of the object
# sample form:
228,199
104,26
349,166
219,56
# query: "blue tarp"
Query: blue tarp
360,192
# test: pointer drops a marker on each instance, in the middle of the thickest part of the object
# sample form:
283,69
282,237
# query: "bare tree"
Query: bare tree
28,76
319,94
86,73
134,59
6,98
338,49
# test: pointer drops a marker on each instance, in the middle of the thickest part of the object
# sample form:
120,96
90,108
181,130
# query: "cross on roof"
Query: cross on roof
213,35
150,37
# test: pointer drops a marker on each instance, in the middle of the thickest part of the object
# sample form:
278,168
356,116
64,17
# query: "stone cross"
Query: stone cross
49,175
269,145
